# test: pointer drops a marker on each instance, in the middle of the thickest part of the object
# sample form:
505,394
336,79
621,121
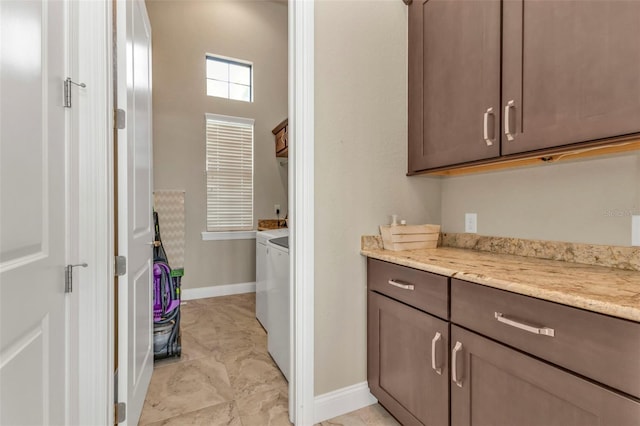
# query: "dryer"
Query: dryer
261,271
278,297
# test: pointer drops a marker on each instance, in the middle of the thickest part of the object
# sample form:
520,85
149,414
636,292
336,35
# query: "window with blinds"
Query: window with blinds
229,172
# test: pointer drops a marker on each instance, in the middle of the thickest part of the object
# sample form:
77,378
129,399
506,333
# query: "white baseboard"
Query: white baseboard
342,401
217,290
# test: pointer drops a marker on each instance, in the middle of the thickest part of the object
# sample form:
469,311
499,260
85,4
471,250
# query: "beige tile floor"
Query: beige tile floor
226,376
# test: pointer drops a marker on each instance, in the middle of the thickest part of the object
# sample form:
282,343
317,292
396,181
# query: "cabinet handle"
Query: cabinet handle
401,285
526,327
434,343
454,360
507,119
489,141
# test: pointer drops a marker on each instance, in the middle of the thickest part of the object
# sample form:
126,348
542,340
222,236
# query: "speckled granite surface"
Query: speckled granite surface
607,290
590,254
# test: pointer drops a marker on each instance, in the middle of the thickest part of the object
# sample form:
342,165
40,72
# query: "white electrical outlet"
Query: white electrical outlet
635,230
471,223
276,208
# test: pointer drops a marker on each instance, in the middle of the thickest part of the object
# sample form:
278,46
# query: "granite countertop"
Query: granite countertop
607,290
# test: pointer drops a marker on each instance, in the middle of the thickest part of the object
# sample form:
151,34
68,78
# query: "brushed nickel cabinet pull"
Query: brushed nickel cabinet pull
487,139
434,343
454,361
507,119
546,331
401,285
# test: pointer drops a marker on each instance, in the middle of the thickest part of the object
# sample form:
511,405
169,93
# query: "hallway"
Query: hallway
225,375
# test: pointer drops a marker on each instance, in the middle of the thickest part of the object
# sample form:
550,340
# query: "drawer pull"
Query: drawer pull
526,327
434,343
401,285
454,360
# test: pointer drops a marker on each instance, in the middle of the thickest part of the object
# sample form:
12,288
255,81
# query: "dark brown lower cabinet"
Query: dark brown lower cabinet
499,386
407,361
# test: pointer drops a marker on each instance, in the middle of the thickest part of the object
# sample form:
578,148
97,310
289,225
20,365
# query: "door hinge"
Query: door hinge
121,412
120,117
121,265
68,276
67,91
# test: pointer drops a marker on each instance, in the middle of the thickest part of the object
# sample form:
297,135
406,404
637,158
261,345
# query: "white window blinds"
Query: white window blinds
229,171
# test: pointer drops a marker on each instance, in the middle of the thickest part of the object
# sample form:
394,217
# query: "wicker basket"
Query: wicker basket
409,237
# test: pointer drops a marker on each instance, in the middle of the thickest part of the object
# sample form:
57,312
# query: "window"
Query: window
229,171
229,78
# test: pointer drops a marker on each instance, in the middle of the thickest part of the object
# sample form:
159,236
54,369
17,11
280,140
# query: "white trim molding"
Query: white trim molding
301,207
93,294
217,290
342,401
228,235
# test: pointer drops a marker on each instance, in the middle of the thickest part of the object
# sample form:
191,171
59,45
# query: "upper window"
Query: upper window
229,78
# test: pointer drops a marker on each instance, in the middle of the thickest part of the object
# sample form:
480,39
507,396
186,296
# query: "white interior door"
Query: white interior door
33,329
135,220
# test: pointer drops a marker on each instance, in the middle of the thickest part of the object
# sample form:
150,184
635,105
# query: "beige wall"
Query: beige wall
587,201
360,163
183,32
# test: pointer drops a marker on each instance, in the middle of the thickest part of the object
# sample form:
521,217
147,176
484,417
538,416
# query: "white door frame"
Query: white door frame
301,205
91,45
96,333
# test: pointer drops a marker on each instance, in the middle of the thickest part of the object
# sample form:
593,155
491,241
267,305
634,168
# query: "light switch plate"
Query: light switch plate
635,230
471,223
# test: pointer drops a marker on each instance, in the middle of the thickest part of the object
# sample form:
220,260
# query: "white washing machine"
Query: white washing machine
278,303
261,271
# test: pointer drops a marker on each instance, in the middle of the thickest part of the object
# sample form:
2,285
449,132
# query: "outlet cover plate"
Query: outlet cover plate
471,223
635,230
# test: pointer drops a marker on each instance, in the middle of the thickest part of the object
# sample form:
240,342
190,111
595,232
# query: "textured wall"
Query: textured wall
360,163
183,32
588,201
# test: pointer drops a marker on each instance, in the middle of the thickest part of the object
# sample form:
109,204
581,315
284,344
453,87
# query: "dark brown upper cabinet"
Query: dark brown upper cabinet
489,79
454,82
281,132
571,70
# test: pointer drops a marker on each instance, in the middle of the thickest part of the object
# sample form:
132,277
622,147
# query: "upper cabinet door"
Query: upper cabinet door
571,72
454,82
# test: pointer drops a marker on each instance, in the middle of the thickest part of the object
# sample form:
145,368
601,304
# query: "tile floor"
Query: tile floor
226,376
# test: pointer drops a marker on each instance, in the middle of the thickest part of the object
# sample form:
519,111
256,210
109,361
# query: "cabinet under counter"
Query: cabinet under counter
407,344
508,357
600,347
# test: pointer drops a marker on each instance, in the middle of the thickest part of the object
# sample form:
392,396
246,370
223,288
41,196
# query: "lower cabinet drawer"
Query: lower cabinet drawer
496,385
423,290
407,364
600,347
